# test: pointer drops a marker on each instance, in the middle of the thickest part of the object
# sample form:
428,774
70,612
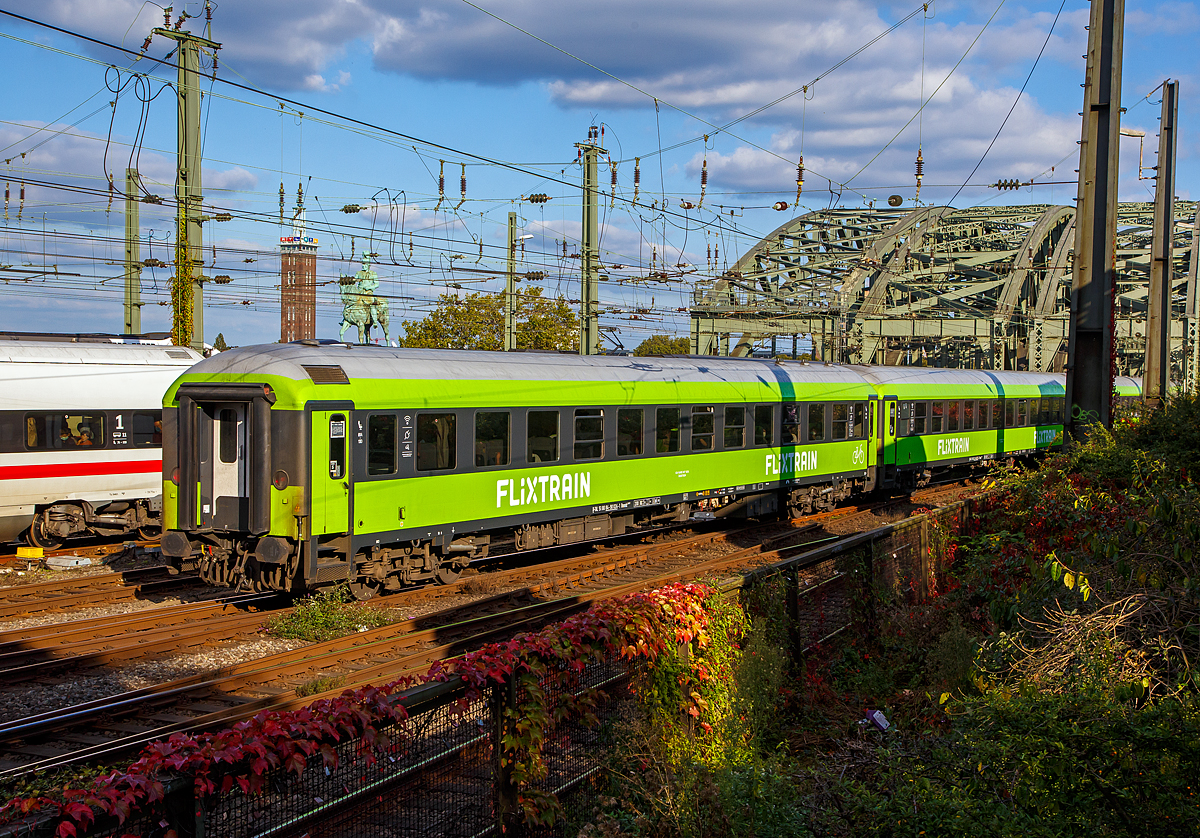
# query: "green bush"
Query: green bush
326,615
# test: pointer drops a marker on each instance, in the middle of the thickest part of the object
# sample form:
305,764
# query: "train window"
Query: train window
968,422
735,427
630,431
589,433
64,430
227,430
436,443
1058,410
858,418
1021,414
144,431
764,425
491,438
1010,413
791,423
666,430
891,419
997,413
918,420
381,444
906,412
952,411
702,428
542,436
841,420
937,413
337,446
816,422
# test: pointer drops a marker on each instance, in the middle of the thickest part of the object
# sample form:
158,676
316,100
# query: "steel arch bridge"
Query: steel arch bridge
981,287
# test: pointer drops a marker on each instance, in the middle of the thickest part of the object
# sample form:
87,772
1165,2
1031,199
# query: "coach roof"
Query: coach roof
381,362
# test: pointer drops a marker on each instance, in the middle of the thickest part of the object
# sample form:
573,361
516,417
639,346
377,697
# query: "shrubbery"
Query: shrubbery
1049,688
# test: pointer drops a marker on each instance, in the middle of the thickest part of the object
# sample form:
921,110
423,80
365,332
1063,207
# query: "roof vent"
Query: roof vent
327,374
178,353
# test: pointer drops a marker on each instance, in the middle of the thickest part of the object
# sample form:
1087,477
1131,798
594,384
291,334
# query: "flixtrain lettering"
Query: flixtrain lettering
791,462
544,488
958,445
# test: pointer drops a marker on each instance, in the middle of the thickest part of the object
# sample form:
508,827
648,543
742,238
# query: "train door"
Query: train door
888,409
330,472
229,473
224,471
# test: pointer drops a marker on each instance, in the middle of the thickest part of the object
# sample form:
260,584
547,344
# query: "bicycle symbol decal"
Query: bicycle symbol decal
860,454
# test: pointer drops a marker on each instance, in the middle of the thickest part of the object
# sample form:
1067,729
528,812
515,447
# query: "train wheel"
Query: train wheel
149,533
447,574
37,539
364,589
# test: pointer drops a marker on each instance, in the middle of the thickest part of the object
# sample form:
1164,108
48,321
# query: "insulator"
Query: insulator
21,205
716,253
920,166
280,202
7,185
441,184
167,15
146,43
463,185
614,175
799,178
637,177
410,247
686,205
780,206
601,133
351,209
564,244
703,180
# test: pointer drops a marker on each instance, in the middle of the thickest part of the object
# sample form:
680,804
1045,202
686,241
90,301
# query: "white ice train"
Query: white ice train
81,436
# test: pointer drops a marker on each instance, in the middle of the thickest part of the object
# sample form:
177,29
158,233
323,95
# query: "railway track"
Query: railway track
115,727
111,728
85,591
43,651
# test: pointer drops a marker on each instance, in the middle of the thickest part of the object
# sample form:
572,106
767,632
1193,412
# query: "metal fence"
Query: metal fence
439,773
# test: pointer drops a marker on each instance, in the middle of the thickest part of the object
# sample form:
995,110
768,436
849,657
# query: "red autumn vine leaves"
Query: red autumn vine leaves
547,666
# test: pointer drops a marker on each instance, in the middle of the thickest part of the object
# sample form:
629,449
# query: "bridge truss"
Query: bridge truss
981,287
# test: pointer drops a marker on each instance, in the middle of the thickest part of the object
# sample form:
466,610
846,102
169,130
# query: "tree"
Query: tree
477,322
664,345
219,344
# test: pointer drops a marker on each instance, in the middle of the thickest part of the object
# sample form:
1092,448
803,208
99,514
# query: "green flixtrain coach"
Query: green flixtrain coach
301,465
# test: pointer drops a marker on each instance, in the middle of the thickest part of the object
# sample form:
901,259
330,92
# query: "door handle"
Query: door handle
346,486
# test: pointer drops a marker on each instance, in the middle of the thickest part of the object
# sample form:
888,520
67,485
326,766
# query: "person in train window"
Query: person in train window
65,438
85,438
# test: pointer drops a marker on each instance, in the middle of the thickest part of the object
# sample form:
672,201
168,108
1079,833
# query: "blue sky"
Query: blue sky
445,72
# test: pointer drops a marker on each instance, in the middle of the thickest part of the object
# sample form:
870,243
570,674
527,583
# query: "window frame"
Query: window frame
506,450
395,464
556,437
641,434
453,435
701,411
586,414
726,427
